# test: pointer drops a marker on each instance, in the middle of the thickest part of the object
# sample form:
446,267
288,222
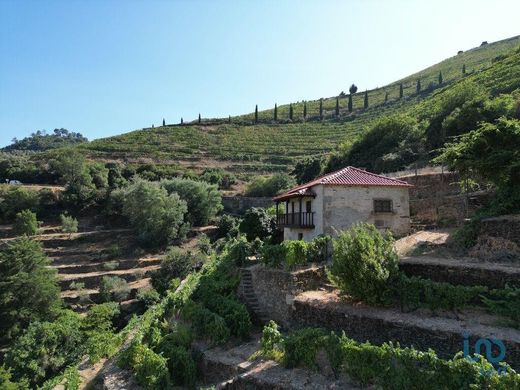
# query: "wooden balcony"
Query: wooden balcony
296,220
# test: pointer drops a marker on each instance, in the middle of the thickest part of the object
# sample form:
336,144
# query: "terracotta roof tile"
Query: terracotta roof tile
348,176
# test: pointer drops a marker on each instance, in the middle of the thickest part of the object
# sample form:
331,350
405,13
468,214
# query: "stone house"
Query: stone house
338,200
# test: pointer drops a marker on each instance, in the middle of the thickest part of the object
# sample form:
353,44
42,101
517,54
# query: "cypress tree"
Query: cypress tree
275,112
200,119
365,103
321,109
401,92
440,78
182,121
256,113
463,69
337,106
386,96
229,119
350,103
152,125
163,122
291,112
304,110
418,85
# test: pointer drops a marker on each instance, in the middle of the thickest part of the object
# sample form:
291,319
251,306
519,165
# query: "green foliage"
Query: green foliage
177,263
16,199
148,297
257,223
227,226
158,217
6,382
224,180
113,288
387,366
151,369
23,271
296,252
206,324
318,250
307,169
203,200
25,223
40,140
69,379
389,145
504,302
238,250
363,263
269,186
69,224
46,348
273,255
204,244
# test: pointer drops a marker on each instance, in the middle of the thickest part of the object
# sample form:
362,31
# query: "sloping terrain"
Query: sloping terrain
239,145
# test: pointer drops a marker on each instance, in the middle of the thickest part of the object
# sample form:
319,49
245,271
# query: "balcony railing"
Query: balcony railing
298,220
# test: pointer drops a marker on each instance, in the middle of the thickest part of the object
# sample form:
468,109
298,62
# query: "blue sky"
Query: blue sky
108,67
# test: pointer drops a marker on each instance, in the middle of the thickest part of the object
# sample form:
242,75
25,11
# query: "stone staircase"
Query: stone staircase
249,297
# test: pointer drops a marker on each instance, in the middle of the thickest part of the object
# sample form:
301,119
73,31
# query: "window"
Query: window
308,206
382,206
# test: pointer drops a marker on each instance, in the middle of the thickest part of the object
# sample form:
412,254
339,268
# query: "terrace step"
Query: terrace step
249,297
93,279
76,268
379,325
466,272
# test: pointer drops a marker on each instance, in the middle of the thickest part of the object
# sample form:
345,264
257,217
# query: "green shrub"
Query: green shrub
151,369
364,263
227,226
505,302
203,200
69,224
257,223
207,324
110,265
29,289
204,244
148,297
269,186
234,313
318,250
296,253
25,223
238,250
16,199
46,348
180,336
5,380
113,288
273,255
180,362
177,263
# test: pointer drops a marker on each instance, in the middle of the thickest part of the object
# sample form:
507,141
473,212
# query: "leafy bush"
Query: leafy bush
69,224
46,348
273,255
177,263
238,250
24,271
269,186
296,253
207,324
5,380
318,250
113,288
151,369
203,200
180,362
386,366
218,176
16,199
257,223
204,243
148,297
157,217
227,226
25,223
364,263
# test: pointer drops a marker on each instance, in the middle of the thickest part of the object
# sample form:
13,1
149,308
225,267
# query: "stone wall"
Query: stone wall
437,198
505,226
240,204
275,288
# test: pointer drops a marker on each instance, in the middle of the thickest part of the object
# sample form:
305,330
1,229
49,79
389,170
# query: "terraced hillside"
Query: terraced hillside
239,145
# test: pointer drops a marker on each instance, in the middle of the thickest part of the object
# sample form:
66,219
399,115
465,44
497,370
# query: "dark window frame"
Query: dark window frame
383,206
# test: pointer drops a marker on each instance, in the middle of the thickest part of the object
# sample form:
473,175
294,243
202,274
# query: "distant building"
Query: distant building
340,199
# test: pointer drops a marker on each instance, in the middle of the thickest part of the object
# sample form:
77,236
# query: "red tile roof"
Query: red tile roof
348,176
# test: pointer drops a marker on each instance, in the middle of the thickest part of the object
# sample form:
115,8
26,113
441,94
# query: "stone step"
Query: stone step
378,325
467,272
